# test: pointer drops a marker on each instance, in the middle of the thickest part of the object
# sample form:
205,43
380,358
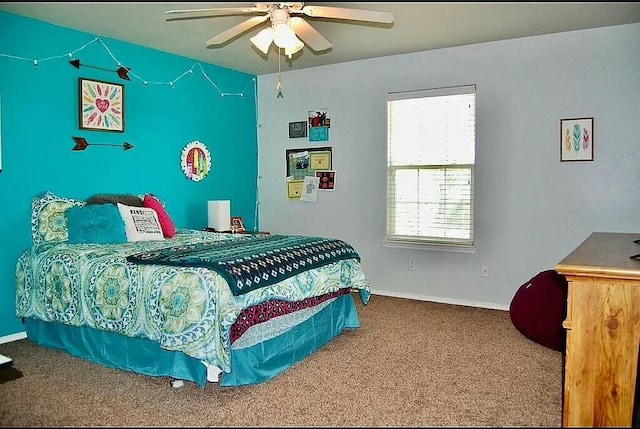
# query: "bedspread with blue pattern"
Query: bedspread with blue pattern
185,308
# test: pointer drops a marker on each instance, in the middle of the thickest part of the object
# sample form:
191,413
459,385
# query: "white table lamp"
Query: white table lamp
219,215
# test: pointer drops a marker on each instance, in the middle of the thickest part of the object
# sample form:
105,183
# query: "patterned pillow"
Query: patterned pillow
140,223
48,217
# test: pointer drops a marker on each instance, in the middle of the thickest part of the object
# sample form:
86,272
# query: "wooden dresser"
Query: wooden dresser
603,331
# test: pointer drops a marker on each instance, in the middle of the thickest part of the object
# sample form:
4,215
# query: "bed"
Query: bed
236,309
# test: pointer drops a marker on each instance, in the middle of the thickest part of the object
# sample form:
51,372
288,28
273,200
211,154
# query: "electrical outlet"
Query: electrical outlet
484,271
412,264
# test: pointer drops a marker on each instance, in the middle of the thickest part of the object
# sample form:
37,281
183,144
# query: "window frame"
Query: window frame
425,242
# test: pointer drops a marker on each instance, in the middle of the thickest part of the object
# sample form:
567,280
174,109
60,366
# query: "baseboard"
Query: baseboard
13,337
488,305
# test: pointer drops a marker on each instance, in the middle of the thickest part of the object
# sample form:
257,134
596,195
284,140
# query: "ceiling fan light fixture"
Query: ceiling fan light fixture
285,37
284,28
263,40
292,50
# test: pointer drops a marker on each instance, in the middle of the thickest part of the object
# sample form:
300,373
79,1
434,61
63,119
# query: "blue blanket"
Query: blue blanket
253,261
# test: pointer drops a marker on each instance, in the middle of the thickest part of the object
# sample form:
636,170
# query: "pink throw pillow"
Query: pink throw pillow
167,225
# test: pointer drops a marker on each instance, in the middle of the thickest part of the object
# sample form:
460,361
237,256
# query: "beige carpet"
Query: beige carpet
412,363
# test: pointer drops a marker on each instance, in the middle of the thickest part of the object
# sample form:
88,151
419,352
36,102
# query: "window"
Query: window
430,160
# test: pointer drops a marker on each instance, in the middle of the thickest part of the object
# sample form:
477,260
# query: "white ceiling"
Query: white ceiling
418,26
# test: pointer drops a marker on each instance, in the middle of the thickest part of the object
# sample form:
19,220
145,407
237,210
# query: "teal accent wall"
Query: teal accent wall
40,116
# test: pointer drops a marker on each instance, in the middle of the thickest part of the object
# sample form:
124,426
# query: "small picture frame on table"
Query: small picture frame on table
237,225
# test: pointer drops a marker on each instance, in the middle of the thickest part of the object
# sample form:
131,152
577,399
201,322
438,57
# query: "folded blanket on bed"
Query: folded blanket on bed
250,262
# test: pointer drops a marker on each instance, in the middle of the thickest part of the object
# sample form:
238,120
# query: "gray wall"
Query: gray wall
531,209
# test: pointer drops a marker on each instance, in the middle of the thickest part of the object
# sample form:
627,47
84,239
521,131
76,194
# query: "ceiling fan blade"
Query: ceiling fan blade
309,35
206,13
225,36
345,13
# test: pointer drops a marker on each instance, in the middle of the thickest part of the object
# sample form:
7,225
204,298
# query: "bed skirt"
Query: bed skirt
252,365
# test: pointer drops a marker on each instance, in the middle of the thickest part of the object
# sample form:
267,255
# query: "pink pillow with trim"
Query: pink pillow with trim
167,225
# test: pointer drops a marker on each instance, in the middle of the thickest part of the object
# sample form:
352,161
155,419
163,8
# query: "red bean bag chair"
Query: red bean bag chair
539,307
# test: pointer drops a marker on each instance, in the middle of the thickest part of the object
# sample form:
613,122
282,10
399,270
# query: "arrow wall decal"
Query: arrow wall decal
81,144
122,71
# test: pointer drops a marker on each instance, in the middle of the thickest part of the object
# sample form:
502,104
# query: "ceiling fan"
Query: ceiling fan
286,31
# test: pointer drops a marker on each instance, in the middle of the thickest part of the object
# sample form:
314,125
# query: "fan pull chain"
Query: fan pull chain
279,85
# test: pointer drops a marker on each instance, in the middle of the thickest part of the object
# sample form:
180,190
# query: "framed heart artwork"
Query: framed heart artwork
101,105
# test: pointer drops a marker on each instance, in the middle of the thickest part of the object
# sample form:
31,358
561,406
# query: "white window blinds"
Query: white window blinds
430,160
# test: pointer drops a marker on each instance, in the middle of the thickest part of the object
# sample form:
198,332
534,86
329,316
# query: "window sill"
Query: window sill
417,245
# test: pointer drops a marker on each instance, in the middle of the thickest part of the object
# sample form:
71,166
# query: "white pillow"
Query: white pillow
141,223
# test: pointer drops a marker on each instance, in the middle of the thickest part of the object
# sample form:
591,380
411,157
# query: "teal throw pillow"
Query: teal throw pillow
96,224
